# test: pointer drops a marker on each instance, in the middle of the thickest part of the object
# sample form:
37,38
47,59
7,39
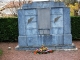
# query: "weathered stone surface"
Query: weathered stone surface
57,40
31,25
46,4
57,30
57,11
67,21
32,41
47,40
31,32
21,22
44,23
67,39
30,12
22,41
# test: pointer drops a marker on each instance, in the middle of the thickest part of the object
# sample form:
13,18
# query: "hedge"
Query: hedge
9,29
75,27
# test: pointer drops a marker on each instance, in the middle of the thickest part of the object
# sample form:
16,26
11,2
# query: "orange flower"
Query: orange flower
35,52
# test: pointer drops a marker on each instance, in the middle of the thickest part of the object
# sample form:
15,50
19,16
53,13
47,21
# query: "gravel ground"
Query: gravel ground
29,55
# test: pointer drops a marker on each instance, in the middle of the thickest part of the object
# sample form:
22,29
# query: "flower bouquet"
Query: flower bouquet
43,50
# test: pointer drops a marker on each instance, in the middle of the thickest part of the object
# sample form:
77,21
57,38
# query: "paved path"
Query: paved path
29,55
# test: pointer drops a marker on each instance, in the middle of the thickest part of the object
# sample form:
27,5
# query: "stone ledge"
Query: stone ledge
43,4
63,47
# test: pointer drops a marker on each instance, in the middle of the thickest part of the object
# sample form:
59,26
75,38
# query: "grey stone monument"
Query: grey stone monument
44,23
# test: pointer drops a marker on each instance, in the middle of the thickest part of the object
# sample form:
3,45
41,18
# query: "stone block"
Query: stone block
57,40
40,40
32,5
61,4
41,32
56,4
30,12
57,11
43,4
45,32
32,41
22,41
56,20
30,32
67,21
57,30
47,40
33,19
31,25
52,4
21,22
67,39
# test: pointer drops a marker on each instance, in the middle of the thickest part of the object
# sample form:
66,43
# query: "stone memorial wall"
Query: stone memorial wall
44,23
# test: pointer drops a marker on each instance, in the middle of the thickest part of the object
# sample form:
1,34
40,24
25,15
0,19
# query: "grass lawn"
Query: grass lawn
1,52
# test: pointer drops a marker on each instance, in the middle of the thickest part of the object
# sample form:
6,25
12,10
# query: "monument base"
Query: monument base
60,47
